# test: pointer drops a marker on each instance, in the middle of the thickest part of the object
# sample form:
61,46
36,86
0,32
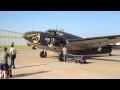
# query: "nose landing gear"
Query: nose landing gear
43,54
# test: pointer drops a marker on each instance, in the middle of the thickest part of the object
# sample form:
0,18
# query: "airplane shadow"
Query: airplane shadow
30,66
26,74
54,56
101,55
73,61
93,57
104,59
71,58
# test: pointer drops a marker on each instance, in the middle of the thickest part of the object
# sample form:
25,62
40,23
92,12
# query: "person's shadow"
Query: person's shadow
26,74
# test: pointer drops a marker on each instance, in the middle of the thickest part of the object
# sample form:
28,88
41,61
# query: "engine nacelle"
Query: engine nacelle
57,40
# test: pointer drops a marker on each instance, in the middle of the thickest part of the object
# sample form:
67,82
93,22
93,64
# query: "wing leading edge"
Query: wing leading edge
80,44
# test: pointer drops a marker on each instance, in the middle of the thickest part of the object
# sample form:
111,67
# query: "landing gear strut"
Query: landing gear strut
49,44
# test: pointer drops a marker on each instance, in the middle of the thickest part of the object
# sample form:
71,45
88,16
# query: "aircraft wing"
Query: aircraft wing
80,44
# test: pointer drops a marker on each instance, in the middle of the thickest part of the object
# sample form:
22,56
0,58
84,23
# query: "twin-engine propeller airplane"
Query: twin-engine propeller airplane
54,40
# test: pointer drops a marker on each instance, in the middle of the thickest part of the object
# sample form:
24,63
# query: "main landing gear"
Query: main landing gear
43,54
110,54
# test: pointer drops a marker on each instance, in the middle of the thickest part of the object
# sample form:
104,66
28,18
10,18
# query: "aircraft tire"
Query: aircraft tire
76,61
60,57
110,54
80,61
42,54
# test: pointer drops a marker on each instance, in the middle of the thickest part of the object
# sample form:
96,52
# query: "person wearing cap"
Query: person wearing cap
4,62
13,53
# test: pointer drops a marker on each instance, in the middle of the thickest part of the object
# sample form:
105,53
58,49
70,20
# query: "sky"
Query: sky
80,23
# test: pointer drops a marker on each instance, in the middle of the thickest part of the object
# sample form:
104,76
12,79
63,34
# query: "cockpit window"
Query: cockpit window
51,30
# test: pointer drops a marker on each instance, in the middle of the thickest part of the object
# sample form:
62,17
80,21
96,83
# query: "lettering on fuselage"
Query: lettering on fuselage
31,35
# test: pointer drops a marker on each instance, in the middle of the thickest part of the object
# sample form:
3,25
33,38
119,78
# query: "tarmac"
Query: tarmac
29,65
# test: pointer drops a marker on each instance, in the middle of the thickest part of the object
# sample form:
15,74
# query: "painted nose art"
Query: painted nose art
33,37
37,39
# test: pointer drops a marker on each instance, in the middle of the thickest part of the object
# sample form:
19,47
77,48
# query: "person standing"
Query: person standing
4,63
65,53
13,53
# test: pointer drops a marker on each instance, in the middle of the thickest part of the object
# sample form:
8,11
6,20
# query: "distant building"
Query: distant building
9,37
117,43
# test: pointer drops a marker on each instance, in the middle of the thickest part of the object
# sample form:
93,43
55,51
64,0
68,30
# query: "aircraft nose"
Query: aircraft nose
28,35
33,36
24,35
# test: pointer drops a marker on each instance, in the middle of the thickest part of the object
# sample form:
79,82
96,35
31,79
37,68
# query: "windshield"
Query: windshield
51,30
